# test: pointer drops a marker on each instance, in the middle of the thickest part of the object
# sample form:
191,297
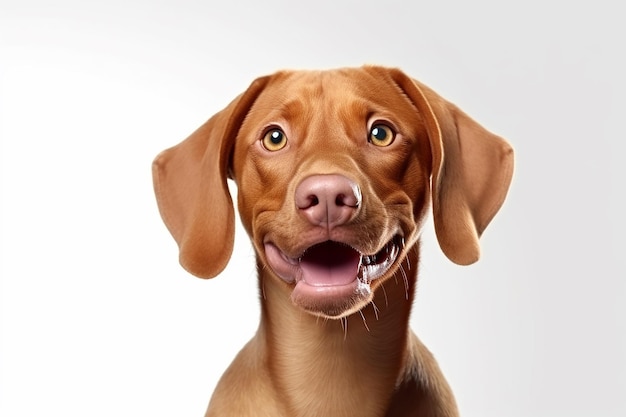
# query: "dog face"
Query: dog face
335,173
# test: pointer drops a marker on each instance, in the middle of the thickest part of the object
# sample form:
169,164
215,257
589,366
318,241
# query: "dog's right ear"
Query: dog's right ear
190,183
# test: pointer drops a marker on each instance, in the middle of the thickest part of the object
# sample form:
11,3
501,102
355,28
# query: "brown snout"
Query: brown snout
328,200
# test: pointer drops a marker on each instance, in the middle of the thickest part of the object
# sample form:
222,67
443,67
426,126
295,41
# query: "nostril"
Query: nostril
305,203
352,199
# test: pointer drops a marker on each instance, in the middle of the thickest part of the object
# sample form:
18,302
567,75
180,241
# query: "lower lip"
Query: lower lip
318,298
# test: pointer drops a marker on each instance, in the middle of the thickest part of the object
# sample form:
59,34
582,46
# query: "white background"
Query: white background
99,319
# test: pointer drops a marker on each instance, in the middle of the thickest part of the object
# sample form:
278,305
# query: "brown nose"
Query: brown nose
328,200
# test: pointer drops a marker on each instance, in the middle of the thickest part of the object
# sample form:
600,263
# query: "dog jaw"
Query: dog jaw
332,279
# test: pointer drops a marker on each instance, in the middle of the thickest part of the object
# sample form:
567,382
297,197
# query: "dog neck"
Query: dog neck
313,360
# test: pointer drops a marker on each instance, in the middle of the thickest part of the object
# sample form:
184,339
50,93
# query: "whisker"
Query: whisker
364,321
406,282
375,308
263,267
382,286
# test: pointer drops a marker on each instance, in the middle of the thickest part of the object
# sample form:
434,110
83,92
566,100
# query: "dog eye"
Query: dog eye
274,140
381,135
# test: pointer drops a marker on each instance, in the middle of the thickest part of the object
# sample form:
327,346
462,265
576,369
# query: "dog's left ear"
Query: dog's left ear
190,183
472,171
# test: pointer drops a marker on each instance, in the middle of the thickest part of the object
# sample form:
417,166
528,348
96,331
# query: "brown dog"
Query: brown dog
336,171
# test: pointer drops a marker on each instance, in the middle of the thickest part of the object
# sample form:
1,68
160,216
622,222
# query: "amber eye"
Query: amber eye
274,140
381,135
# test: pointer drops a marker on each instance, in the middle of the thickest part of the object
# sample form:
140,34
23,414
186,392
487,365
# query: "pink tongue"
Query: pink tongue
330,263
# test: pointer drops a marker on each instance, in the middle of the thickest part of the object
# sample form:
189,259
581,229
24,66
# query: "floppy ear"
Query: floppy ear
191,189
472,171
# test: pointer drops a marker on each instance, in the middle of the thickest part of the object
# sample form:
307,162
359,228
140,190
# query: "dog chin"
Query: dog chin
331,279
332,301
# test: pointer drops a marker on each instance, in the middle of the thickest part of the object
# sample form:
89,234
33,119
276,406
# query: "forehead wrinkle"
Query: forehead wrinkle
352,115
308,93
287,102
340,110
295,108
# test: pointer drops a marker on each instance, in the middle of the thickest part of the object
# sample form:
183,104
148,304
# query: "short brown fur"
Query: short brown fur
350,355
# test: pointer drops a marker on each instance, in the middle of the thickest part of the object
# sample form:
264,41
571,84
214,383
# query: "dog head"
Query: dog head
335,172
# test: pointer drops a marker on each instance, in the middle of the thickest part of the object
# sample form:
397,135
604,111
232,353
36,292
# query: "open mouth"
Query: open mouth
333,263
332,278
